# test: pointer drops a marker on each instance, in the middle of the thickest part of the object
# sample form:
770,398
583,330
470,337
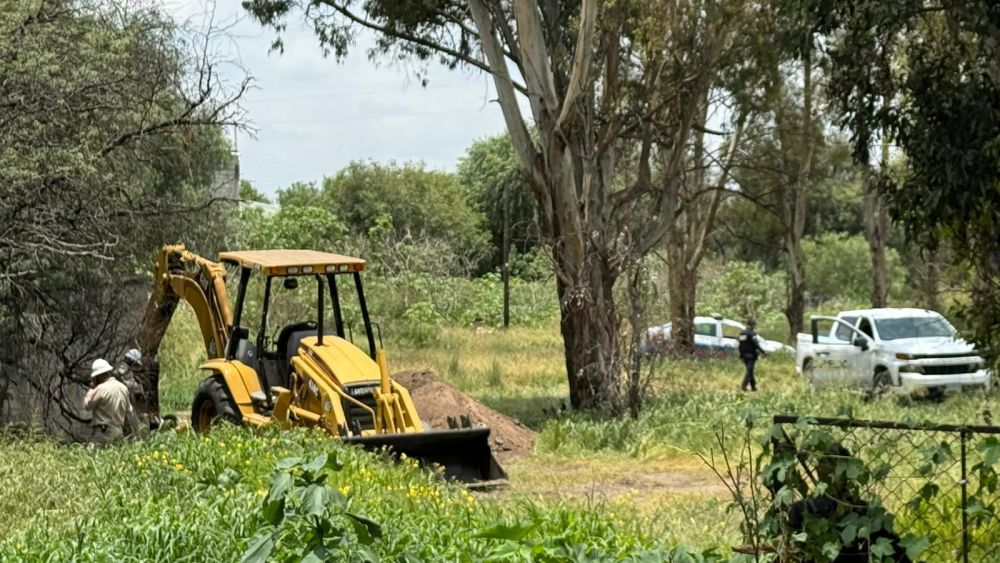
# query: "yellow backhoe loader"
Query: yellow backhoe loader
305,373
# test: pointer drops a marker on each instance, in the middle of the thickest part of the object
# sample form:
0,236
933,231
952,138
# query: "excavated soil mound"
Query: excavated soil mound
436,401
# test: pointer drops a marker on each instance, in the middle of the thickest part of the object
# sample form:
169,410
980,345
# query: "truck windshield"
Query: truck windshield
913,327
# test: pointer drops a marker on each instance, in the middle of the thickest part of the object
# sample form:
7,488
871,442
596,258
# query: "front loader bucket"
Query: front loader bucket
463,453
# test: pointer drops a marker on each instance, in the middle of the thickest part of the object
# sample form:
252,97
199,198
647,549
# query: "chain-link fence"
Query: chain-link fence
889,491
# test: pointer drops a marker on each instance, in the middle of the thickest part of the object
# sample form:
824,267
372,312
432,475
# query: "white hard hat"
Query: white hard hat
134,356
100,367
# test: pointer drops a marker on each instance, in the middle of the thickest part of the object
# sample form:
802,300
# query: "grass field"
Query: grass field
605,487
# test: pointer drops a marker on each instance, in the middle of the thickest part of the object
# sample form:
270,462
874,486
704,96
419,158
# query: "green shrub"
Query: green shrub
839,266
421,323
740,290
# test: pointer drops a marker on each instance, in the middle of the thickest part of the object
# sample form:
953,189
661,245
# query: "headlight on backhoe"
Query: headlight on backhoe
327,405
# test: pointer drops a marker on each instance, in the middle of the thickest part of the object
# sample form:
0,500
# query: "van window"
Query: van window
704,329
731,332
844,331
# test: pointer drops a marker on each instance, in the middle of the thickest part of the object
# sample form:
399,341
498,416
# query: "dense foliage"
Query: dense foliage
409,203
109,142
925,75
231,492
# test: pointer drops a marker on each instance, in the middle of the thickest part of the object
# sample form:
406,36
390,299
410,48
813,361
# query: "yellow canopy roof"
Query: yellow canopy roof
293,262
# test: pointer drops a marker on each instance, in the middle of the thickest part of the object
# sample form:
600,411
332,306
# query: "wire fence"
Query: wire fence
902,492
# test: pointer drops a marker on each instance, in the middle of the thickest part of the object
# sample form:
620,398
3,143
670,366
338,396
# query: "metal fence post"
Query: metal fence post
965,515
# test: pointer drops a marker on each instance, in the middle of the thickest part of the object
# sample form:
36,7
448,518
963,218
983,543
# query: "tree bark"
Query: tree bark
505,272
876,224
876,229
682,289
794,207
589,327
930,280
689,236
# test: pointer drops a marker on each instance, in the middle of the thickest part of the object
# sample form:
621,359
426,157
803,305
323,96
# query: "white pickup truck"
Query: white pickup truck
889,350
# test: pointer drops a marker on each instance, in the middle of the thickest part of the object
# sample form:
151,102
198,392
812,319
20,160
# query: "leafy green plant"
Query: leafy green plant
839,267
422,323
306,517
525,541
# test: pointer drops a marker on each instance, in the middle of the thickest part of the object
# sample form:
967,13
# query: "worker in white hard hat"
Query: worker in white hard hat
109,403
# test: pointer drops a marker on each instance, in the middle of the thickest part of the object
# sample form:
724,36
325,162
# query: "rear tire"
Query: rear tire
809,371
212,404
881,382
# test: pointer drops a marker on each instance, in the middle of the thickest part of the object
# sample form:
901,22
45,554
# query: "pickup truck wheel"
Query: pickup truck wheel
212,404
809,370
881,382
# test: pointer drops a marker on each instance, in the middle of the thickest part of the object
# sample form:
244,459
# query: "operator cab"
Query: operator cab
288,278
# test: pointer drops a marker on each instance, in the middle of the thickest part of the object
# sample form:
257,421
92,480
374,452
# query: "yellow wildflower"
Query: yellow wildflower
345,489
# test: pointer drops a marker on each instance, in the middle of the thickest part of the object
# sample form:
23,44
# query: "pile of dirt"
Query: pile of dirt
436,401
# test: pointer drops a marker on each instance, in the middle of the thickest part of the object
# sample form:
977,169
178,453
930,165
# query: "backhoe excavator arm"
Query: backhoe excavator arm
178,275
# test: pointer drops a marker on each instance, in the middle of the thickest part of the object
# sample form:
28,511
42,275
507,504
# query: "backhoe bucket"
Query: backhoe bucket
463,453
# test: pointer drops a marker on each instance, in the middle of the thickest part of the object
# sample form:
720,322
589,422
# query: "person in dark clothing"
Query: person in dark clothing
841,499
749,350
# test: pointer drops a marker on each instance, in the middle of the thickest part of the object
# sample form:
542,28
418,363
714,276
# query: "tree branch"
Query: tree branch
365,22
581,63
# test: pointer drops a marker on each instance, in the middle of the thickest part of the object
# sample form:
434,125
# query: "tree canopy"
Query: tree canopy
926,76
407,201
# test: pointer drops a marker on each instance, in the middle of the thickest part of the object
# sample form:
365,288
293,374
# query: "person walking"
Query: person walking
750,350
109,404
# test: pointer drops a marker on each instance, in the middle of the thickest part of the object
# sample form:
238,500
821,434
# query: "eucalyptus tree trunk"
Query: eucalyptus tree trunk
692,228
794,201
876,230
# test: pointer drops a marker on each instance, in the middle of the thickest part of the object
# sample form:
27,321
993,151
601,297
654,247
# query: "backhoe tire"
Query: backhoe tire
212,404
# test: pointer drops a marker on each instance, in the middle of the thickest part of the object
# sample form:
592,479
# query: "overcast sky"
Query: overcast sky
314,115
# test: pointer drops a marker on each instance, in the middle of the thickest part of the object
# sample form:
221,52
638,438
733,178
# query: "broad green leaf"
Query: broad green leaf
259,548
317,463
517,532
333,462
319,554
336,498
882,548
990,447
368,530
274,512
288,463
314,500
274,504
281,484
831,549
848,534
915,545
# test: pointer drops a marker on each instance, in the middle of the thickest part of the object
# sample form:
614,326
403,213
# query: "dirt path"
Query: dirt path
610,480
